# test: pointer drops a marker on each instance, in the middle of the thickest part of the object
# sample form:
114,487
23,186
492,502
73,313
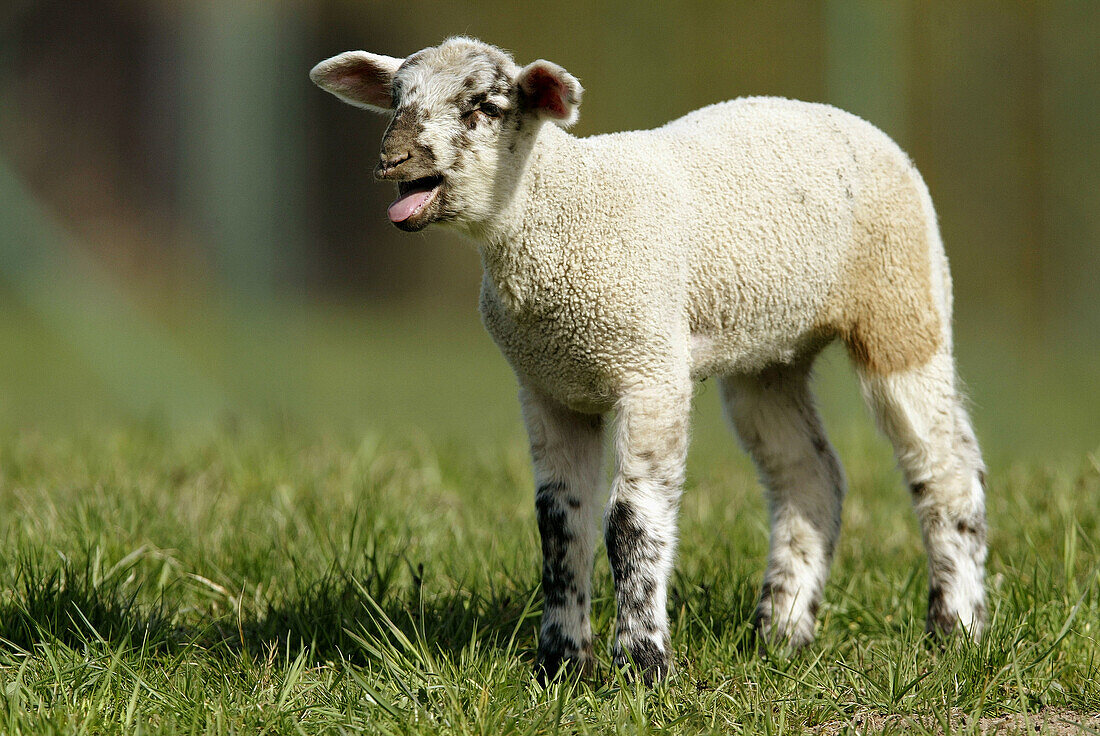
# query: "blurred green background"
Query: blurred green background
190,233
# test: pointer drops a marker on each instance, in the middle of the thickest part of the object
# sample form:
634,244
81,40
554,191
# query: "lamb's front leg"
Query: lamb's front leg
566,448
640,527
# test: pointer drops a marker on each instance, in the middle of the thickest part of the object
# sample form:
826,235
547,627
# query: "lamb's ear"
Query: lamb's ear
551,92
359,78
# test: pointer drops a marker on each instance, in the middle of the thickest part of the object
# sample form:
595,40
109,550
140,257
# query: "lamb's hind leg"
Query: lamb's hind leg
923,415
775,418
566,450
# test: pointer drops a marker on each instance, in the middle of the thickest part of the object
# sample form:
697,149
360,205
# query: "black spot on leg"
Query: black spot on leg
821,447
943,569
935,597
633,554
940,621
554,639
573,501
555,591
943,574
918,489
769,590
558,579
624,539
967,528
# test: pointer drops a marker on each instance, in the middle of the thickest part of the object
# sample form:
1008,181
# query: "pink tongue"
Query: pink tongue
407,205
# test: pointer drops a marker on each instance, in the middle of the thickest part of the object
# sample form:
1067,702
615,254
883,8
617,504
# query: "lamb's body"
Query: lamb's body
743,235
736,241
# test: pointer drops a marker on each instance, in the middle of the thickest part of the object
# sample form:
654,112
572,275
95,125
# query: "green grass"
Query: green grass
351,548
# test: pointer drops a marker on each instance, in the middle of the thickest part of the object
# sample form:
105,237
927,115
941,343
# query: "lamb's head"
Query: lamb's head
461,115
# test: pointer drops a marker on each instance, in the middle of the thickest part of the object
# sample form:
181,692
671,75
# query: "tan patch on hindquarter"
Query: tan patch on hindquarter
883,307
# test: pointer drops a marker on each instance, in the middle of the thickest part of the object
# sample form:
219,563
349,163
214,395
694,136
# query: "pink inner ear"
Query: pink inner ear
367,83
549,93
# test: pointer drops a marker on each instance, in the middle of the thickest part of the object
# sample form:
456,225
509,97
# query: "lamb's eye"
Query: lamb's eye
490,109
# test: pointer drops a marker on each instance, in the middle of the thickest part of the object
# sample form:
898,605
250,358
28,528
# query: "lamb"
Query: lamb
619,269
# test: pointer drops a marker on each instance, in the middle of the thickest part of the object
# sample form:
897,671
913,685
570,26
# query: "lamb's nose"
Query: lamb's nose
390,162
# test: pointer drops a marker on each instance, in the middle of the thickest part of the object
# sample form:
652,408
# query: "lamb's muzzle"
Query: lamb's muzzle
387,166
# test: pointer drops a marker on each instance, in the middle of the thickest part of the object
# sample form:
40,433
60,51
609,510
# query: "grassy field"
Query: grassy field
350,547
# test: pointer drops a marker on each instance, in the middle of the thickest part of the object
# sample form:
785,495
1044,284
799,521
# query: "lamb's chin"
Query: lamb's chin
413,224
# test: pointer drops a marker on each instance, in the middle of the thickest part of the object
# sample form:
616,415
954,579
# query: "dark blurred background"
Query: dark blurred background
189,228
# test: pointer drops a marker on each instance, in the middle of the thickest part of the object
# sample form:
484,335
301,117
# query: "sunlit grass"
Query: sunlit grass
352,547
269,581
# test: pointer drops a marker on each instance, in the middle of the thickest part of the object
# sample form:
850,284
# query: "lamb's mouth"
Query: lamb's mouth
418,202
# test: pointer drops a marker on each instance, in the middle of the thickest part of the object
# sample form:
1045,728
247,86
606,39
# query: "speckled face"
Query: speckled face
456,110
459,110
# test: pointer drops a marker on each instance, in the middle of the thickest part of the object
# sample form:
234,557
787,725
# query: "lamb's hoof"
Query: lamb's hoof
945,623
555,663
772,638
643,659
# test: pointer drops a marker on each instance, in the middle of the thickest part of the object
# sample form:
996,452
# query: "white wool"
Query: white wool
709,245
736,241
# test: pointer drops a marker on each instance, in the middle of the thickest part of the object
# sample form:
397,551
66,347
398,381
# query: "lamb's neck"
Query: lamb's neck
517,252
548,171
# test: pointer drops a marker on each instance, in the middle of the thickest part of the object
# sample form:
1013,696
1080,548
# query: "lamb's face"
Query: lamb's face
459,111
455,113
